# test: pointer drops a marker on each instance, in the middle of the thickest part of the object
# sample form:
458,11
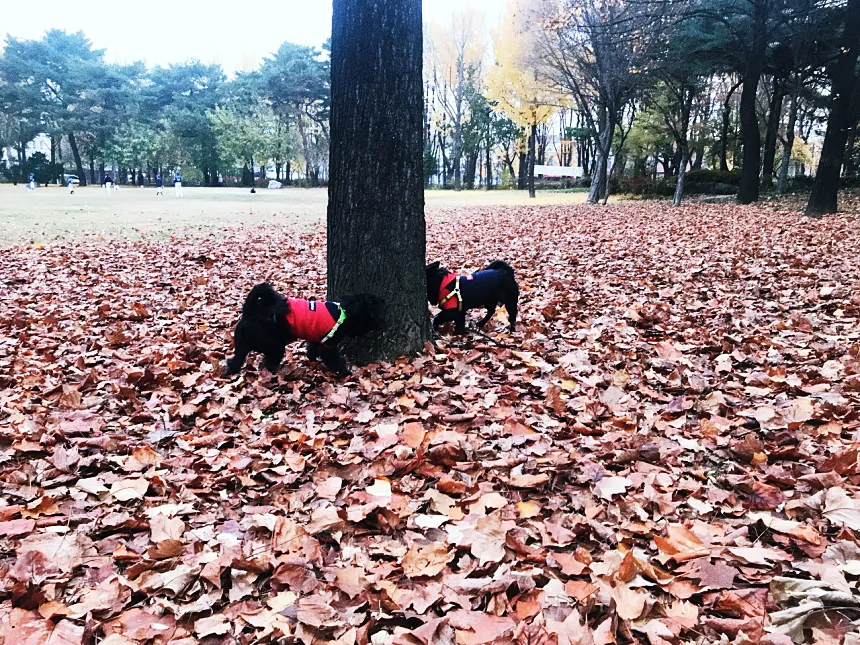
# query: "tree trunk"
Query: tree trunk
682,171
602,148
531,163
523,166
22,162
376,227
509,161
488,169
93,171
457,118
843,78
773,120
79,166
850,161
788,144
724,131
53,155
748,188
471,167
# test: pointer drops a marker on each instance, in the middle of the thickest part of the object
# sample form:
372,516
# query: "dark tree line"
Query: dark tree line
712,83
138,120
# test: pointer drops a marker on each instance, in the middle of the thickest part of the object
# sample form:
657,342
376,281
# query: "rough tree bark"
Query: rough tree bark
376,228
843,78
748,188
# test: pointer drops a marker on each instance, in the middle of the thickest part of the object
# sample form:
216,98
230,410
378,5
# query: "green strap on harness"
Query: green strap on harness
340,320
454,292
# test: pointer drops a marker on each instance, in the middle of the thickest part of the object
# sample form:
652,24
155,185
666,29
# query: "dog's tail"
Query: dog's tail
263,300
500,265
365,311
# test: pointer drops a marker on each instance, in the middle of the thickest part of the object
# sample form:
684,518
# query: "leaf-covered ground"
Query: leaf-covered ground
666,452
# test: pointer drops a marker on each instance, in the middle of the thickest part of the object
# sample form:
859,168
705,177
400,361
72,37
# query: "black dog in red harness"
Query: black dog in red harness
269,321
456,294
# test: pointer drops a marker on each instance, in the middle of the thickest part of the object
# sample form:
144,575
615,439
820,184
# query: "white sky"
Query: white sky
236,34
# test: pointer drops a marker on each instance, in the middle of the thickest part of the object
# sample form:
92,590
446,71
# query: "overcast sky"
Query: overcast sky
235,34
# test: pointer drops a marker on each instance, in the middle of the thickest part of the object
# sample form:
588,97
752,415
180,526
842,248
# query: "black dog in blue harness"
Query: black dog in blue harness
488,289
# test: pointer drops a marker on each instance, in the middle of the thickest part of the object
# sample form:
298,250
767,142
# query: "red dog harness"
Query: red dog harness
450,296
311,320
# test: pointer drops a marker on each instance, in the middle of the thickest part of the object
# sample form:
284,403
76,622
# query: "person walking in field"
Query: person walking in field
159,184
71,183
31,182
177,182
108,182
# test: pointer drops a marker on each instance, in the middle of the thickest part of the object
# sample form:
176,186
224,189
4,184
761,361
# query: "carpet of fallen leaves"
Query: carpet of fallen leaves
666,452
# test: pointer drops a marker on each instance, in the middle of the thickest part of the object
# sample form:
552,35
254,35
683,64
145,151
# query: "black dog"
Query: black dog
455,294
269,321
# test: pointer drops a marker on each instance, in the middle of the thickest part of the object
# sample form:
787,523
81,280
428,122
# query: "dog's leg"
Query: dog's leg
273,358
241,348
313,351
445,316
460,323
511,307
234,364
332,359
491,309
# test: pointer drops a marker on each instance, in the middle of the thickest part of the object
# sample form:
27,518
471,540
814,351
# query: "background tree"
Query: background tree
596,52
183,94
242,139
376,228
683,79
456,54
55,82
843,115
296,83
513,83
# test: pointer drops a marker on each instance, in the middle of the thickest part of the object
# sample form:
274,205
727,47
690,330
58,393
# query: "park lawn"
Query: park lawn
51,214
671,432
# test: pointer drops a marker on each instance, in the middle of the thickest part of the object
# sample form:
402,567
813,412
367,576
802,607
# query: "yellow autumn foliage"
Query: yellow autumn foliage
513,81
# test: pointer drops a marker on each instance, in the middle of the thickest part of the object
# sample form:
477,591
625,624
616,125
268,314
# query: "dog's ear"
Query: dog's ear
435,266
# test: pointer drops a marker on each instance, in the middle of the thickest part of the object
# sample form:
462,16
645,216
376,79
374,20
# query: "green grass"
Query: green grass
51,214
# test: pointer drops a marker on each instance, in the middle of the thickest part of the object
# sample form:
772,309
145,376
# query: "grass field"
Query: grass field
51,213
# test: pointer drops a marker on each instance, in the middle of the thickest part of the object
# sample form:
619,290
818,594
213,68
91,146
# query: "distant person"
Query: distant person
108,182
159,184
140,178
31,182
71,182
177,182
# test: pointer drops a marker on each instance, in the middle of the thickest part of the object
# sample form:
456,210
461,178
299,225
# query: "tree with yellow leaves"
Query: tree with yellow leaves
514,83
453,55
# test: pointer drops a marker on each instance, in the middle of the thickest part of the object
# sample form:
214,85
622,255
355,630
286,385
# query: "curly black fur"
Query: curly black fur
493,286
263,328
